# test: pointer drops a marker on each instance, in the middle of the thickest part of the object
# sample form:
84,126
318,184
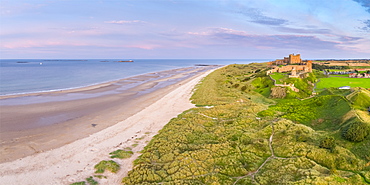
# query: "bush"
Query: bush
357,131
106,165
265,113
121,154
79,183
246,79
236,85
91,181
328,143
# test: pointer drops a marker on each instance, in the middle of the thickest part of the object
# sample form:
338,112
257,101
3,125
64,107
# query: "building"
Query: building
294,59
293,64
359,75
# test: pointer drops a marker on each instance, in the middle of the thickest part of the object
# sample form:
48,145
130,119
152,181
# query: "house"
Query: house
352,75
359,75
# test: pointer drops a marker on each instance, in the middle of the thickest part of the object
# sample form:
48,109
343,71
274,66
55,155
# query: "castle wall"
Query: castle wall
309,65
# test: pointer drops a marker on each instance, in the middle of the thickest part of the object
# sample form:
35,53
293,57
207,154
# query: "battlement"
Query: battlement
294,59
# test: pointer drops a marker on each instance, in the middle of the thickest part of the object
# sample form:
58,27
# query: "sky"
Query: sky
184,29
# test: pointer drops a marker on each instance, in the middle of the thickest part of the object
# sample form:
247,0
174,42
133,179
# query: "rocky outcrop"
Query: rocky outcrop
278,92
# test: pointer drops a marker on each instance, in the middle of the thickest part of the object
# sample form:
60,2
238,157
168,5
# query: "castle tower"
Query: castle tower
295,59
309,66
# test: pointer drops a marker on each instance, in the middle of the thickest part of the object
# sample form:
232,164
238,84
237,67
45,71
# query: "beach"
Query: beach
59,136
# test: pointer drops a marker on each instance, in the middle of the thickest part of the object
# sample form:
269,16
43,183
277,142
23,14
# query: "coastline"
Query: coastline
64,163
39,122
89,86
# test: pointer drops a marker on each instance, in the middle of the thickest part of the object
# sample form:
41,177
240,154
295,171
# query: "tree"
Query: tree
328,143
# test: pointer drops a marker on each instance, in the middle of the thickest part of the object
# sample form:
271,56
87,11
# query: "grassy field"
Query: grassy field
277,77
337,70
335,75
338,82
240,140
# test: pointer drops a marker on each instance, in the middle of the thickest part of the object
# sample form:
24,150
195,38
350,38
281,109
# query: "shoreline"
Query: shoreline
75,160
89,86
40,122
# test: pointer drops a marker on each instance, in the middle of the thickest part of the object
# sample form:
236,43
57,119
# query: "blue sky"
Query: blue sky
131,29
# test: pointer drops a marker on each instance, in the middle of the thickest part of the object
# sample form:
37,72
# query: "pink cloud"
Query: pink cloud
124,22
36,44
143,46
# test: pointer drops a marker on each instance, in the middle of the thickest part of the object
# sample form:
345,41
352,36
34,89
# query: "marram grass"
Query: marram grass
229,140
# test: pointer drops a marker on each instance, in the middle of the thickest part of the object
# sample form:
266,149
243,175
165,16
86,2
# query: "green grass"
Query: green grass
121,154
106,165
277,77
230,84
79,183
335,91
320,113
361,99
337,70
91,181
344,75
229,143
339,82
263,85
362,67
100,176
304,85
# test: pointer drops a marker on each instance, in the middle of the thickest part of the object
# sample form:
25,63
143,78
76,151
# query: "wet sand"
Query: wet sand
38,122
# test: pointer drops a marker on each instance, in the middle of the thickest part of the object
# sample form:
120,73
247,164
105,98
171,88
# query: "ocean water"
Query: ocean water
19,76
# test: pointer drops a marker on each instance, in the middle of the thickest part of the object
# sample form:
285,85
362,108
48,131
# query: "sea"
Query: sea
22,76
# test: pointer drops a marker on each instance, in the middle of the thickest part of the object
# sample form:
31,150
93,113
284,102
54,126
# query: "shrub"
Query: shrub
246,79
328,143
121,154
106,165
265,113
91,181
79,183
356,131
100,176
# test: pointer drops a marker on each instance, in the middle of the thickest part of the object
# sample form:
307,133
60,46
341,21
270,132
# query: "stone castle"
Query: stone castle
293,64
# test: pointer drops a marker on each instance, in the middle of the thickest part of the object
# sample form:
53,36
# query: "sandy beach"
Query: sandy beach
58,137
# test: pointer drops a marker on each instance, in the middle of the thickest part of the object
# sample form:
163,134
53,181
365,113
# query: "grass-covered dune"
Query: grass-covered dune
238,136
360,99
